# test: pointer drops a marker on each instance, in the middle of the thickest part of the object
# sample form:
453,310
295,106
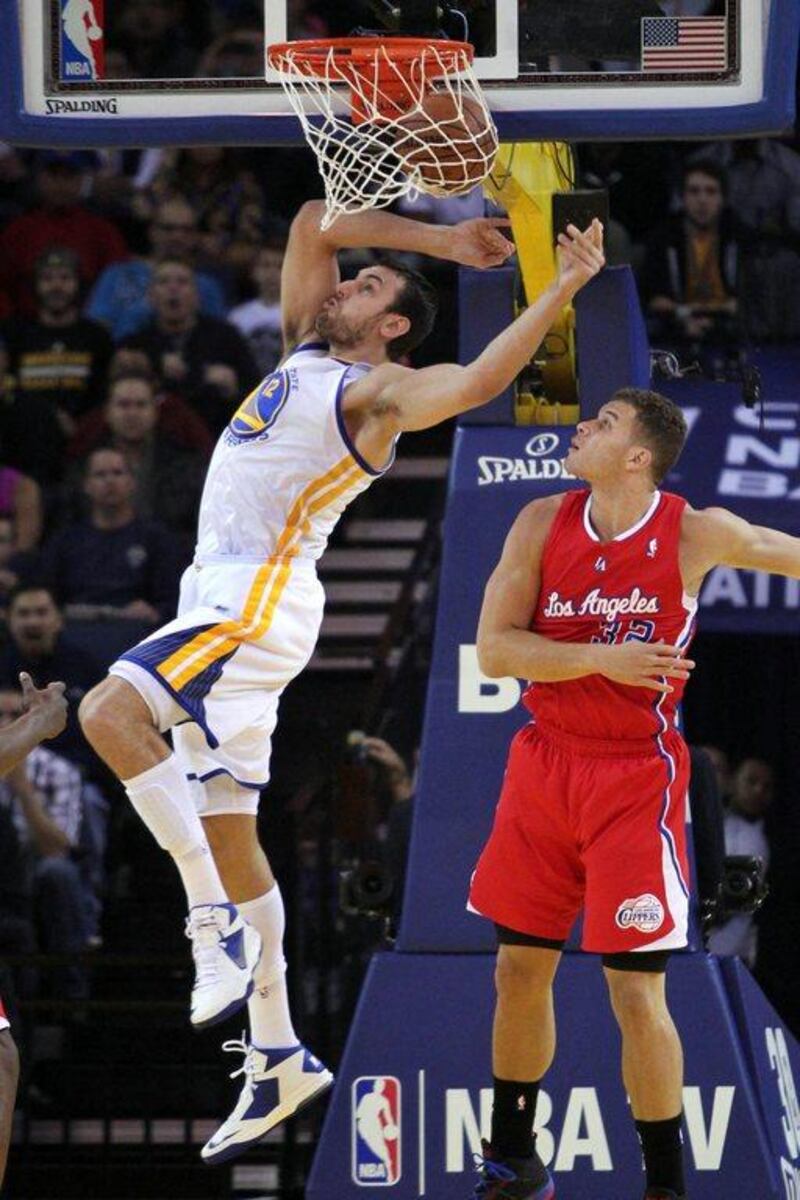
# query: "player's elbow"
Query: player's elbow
308,218
490,656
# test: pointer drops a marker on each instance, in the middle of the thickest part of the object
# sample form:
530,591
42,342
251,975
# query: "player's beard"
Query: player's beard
338,331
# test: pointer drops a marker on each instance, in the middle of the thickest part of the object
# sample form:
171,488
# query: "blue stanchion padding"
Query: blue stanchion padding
612,345
773,1057
418,1060
485,308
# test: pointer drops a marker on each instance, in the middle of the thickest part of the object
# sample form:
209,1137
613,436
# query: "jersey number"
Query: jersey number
259,411
637,631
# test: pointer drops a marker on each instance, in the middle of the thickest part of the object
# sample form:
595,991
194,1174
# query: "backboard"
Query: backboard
167,72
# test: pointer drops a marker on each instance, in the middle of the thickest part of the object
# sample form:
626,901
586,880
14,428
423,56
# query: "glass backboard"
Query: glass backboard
151,72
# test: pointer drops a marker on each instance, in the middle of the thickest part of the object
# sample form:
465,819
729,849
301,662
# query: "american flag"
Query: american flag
684,43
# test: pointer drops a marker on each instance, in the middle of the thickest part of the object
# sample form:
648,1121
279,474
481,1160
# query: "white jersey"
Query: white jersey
285,468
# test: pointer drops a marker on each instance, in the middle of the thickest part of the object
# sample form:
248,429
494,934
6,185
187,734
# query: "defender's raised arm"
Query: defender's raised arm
715,537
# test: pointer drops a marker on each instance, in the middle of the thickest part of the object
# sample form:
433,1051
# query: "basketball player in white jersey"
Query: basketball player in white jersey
311,437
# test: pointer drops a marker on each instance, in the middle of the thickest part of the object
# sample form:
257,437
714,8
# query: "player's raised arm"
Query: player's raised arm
311,271
714,537
406,401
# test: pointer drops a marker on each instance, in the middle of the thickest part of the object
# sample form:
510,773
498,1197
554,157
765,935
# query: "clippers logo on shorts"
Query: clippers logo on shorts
645,913
82,49
376,1131
253,419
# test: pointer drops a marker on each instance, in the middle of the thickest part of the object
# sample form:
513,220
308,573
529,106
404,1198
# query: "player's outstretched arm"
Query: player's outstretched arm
310,268
406,400
713,537
507,646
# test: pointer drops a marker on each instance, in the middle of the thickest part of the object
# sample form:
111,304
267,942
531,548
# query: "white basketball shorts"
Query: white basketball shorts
215,674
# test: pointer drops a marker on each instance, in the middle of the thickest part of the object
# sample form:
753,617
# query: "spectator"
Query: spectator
750,800
43,794
169,477
229,201
722,770
690,272
59,358
392,775
176,420
764,191
59,219
259,320
205,361
114,564
13,563
21,504
38,646
120,296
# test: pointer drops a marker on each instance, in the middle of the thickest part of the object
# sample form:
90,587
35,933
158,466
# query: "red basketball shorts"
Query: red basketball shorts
593,825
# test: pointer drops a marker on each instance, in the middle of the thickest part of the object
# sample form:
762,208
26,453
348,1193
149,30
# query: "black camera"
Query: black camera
367,889
742,890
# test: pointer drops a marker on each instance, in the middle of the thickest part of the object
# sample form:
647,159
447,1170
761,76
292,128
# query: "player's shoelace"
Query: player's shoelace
240,1046
204,936
493,1173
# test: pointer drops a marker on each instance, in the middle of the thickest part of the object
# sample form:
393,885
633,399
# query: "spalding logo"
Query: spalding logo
541,444
645,913
259,411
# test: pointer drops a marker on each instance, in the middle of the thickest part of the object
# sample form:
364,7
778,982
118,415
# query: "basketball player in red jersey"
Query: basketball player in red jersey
44,716
594,601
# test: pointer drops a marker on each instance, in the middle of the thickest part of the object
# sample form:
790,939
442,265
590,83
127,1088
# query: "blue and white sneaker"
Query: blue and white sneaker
226,950
277,1084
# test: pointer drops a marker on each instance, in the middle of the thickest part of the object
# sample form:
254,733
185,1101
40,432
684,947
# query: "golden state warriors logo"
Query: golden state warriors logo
259,411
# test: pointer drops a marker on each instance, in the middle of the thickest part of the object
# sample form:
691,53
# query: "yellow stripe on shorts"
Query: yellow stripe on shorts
267,587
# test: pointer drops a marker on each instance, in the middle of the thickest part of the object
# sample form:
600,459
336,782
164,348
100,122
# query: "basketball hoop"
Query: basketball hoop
388,116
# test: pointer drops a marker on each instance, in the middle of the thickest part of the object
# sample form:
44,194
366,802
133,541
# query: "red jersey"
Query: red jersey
3,1017
628,589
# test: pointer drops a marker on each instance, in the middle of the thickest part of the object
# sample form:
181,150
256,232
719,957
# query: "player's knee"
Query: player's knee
108,703
637,999
521,971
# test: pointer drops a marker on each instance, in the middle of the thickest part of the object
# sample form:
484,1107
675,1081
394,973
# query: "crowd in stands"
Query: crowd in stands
139,302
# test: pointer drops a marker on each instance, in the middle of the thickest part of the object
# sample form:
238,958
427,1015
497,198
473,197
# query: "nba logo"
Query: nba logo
82,53
376,1130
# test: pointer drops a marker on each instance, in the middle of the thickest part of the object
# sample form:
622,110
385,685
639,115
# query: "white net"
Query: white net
417,121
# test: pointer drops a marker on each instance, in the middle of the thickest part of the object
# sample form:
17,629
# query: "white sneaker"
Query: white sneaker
277,1084
226,950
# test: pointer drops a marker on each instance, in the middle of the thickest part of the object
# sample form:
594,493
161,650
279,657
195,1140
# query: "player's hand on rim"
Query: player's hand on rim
479,242
644,664
580,254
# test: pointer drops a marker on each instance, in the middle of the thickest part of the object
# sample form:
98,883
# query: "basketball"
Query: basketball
448,141
94,33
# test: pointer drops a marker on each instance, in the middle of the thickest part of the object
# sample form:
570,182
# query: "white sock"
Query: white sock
162,799
268,1007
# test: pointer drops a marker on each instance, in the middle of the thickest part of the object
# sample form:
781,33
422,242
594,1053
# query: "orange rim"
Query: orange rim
313,54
